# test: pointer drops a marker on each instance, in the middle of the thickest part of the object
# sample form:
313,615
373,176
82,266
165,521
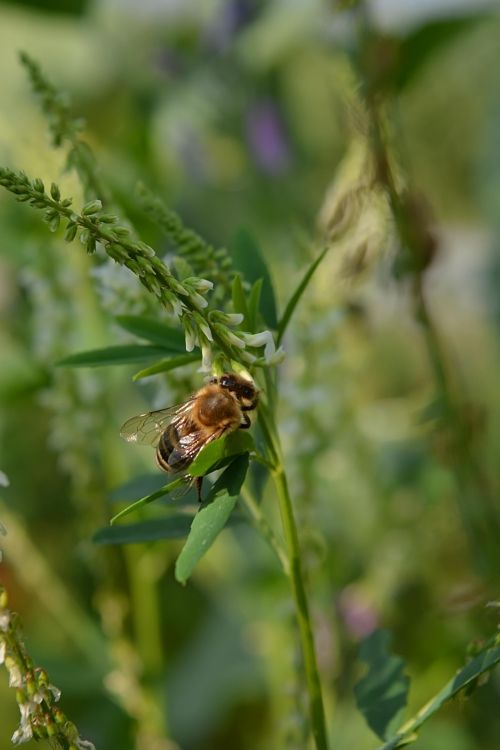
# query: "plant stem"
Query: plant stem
316,709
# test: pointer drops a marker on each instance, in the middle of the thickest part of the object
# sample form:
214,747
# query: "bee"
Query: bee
180,432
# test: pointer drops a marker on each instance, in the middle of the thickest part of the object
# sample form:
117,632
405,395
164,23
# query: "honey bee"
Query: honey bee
180,432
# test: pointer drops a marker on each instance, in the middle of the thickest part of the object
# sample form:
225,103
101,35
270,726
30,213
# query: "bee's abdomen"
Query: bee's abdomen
167,445
168,455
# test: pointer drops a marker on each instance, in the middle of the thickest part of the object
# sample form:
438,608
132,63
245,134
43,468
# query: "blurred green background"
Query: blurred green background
248,114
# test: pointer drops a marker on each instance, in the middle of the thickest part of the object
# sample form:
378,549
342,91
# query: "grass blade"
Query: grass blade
165,365
294,299
165,490
175,526
112,355
154,331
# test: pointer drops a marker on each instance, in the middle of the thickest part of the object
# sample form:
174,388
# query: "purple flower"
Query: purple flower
266,137
357,613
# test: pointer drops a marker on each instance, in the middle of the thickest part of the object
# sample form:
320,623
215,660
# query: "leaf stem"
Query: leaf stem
316,709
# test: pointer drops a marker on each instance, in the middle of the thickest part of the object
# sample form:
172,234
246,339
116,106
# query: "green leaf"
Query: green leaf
175,526
112,355
294,299
212,517
165,490
239,298
382,693
169,338
478,666
418,47
219,450
248,259
140,486
165,365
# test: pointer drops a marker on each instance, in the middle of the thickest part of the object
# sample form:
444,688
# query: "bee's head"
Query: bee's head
243,390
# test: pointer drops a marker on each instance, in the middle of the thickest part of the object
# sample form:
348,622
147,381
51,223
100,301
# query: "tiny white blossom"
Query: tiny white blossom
200,285
206,359
265,339
3,650
56,693
247,357
203,326
231,338
198,301
15,676
276,358
24,732
233,319
176,306
190,334
84,744
4,620
4,479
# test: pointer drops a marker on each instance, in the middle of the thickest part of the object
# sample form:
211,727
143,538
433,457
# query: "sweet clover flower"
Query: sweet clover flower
40,718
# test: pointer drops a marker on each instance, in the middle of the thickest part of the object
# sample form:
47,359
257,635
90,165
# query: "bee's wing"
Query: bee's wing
147,428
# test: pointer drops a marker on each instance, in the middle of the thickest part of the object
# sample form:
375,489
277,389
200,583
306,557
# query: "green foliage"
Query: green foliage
381,695
174,526
418,47
166,365
486,660
112,355
295,298
219,451
166,489
248,259
244,119
199,255
154,331
212,517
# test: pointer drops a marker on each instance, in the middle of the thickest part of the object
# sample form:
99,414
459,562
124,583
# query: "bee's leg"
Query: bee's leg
198,481
246,422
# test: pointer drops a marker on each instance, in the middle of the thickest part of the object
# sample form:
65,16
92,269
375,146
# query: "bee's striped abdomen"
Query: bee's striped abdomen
166,446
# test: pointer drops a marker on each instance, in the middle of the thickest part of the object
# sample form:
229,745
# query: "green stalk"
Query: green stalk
317,713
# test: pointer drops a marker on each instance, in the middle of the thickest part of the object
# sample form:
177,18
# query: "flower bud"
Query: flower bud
228,336
203,326
199,285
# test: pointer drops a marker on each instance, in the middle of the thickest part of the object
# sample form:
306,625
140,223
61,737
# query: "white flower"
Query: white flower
206,359
84,744
5,620
190,333
4,479
176,306
15,676
226,319
199,285
265,339
247,357
276,358
233,319
3,650
42,694
203,326
24,732
198,301
230,337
